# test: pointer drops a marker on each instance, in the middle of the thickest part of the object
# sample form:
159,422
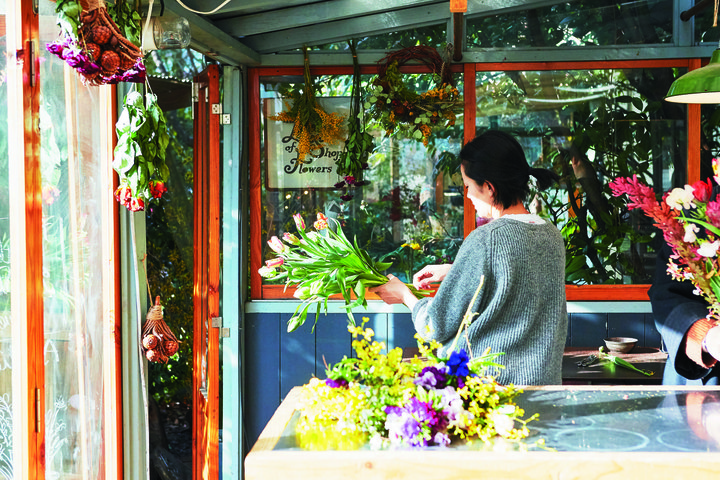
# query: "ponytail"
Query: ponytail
545,178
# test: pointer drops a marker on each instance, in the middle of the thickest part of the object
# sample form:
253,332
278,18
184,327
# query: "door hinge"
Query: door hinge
33,53
225,119
217,108
217,322
38,409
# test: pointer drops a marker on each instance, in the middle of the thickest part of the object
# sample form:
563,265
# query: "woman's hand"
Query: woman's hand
395,291
430,274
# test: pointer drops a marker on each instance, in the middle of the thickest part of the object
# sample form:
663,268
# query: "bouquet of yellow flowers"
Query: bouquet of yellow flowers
322,263
689,218
386,401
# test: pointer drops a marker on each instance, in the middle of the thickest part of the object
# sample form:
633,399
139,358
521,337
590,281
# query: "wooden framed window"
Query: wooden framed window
591,121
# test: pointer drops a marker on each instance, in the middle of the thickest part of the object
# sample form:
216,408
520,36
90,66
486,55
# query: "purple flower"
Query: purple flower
332,383
340,184
432,377
458,363
416,423
346,198
350,180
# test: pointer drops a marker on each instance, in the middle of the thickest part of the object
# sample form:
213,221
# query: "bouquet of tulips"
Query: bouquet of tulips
322,263
689,218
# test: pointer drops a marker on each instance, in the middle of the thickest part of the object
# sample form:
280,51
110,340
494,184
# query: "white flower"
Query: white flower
503,423
681,198
708,249
690,230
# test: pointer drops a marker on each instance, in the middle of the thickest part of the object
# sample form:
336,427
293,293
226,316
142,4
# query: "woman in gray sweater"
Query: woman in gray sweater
520,259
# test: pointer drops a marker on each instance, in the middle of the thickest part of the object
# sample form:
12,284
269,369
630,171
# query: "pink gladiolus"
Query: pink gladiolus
716,169
702,190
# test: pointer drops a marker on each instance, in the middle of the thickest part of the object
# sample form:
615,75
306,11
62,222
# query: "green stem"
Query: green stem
623,363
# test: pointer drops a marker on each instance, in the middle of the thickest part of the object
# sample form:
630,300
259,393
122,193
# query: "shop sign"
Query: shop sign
318,170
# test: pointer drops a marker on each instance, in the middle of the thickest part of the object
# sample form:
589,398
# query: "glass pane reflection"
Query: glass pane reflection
72,189
6,420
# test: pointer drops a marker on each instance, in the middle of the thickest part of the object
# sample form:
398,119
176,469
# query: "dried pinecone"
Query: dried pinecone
110,62
170,347
150,342
101,34
94,51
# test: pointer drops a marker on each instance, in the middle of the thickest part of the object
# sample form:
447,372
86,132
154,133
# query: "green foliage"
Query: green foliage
127,19
169,225
68,16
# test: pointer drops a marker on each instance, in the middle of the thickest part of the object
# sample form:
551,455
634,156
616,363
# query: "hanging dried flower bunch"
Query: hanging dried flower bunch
395,105
92,43
353,160
158,341
313,127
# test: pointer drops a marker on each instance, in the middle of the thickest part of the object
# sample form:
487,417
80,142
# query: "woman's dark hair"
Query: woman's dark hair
498,158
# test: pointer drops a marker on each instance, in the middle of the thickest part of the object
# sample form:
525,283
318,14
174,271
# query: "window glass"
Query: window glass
6,425
71,167
575,24
704,29
169,243
410,213
433,35
592,126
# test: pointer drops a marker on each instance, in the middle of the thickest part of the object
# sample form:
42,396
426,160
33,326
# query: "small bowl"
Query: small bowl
620,344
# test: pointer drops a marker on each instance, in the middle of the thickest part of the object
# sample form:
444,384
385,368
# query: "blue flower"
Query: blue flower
458,363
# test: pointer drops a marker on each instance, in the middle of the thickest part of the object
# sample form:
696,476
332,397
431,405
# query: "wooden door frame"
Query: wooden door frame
206,275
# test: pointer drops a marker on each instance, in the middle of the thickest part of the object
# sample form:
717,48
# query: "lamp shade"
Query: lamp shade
701,85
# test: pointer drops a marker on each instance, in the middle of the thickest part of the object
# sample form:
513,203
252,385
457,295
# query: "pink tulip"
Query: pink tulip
299,222
274,262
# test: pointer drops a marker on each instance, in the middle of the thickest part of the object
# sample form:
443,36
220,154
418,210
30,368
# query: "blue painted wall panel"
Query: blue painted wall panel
627,325
333,341
588,329
297,354
262,371
652,336
401,331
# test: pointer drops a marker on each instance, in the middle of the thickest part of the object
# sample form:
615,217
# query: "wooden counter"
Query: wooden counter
633,432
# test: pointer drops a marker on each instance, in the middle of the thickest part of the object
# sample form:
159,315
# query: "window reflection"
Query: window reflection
592,126
409,213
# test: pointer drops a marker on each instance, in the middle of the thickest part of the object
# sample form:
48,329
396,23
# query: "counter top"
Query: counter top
603,432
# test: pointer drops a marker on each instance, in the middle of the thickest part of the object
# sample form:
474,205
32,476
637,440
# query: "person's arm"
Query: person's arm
680,317
394,292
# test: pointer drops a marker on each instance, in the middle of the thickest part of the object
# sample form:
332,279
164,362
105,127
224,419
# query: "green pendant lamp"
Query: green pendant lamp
701,85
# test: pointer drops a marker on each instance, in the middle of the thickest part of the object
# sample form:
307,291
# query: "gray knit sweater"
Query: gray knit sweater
521,306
